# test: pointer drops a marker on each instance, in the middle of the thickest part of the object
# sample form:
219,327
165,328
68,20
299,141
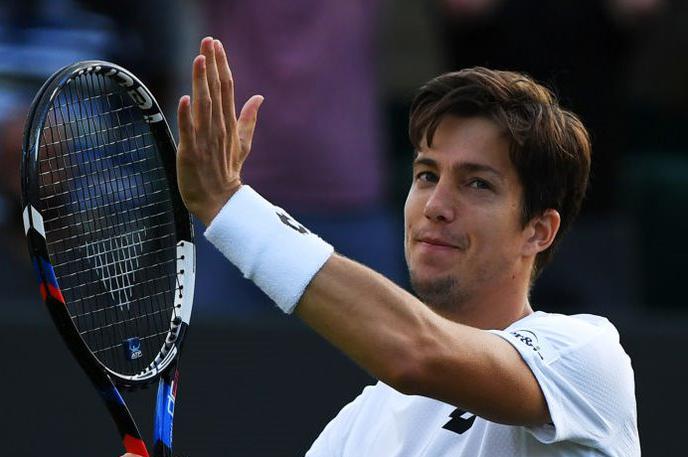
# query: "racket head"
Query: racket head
110,239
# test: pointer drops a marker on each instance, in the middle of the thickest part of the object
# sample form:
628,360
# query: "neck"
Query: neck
495,306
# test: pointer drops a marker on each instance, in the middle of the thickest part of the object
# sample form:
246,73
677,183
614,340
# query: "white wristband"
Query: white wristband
269,247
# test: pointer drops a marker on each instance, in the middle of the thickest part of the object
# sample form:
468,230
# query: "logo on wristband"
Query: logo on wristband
291,222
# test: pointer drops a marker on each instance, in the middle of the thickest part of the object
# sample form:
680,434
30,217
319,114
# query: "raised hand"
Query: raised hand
213,143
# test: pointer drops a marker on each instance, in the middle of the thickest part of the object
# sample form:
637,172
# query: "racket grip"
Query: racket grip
164,413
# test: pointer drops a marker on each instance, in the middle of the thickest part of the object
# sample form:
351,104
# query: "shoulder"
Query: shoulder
552,336
585,375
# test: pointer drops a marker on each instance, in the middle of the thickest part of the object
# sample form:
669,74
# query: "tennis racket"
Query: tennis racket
109,236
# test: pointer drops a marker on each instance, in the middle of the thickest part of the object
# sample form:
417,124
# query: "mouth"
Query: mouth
437,243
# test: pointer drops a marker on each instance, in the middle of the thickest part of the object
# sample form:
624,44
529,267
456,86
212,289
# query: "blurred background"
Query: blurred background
331,147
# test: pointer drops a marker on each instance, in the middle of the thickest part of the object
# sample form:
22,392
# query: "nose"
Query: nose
440,207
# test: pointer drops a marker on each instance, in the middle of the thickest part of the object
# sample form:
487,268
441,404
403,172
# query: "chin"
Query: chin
427,269
439,292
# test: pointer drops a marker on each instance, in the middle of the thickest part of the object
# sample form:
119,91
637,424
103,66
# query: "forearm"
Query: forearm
365,315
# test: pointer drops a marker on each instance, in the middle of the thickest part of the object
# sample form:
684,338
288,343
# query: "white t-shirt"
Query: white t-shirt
582,369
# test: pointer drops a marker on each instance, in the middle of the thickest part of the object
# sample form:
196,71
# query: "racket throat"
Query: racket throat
135,445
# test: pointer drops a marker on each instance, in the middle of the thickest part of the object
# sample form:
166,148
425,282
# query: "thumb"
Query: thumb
246,123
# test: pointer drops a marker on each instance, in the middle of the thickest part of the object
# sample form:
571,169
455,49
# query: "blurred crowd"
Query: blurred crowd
331,143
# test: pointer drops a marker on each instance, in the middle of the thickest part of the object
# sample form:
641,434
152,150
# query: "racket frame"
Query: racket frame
165,367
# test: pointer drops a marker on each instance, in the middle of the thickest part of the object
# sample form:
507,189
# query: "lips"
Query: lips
438,241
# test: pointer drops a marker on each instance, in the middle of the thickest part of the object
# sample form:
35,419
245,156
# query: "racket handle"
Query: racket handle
164,413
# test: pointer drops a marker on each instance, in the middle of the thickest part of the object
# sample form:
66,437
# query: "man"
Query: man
470,370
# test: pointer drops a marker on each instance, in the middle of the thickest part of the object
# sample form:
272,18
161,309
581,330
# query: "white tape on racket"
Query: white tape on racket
268,246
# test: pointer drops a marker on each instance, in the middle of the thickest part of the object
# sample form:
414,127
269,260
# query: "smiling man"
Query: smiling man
464,236
466,368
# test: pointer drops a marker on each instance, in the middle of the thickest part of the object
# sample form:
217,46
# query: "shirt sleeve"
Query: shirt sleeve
585,376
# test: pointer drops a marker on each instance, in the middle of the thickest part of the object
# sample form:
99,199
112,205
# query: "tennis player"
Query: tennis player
466,368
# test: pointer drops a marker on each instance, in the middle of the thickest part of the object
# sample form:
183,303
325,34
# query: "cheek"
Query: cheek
499,233
413,207
413,213
407,217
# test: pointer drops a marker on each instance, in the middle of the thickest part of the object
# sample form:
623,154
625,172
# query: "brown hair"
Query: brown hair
550,147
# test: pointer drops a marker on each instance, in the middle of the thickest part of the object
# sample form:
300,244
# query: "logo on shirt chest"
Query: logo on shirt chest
460,421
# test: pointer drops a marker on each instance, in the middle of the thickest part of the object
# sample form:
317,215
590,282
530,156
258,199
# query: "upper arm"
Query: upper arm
480,372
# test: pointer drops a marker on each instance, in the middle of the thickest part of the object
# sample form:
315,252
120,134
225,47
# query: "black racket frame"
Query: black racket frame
103,380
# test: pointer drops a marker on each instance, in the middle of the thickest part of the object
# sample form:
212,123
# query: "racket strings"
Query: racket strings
154,297
84,120
109,222
94,162
108,206
147,253
124,127
139,143
80,247
59,196
79,316
117,347
148,312
87,120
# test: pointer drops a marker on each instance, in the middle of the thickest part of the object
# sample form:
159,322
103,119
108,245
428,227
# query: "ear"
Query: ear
541,231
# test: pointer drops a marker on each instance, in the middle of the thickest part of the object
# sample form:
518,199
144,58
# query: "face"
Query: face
463,214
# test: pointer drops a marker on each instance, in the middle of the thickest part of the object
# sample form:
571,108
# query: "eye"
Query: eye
477,183
426,176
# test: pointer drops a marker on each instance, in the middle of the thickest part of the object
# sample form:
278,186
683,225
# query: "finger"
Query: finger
208,50
247,122
201,96
227,85
185,124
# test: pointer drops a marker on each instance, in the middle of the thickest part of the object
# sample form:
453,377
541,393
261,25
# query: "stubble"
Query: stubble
444,295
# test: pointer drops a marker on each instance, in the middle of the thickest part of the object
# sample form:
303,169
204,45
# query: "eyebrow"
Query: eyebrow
465,167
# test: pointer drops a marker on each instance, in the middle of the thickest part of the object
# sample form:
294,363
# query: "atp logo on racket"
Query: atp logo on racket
132,348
